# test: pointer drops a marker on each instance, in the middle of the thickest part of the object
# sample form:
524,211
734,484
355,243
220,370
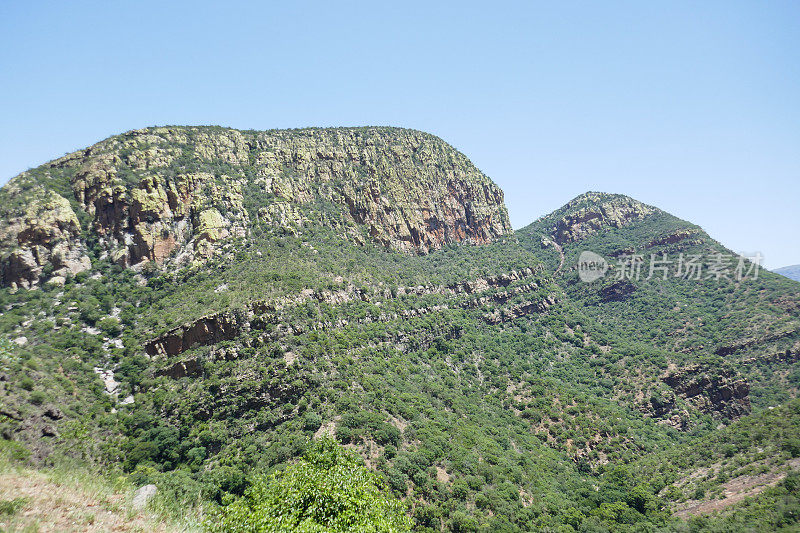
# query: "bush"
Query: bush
312,421
792,446
329,490
110,326
14,451
38,397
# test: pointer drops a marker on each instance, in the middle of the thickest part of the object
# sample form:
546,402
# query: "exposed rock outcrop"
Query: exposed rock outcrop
688,236
718,391
142,496
617,291
40,240
178,193
520,310
210,329
591,212
732,348
181,369
487,291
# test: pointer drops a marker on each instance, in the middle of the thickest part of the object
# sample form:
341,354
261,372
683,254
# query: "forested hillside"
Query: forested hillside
735,311
195,308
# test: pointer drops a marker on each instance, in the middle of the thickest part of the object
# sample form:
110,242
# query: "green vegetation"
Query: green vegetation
760,444
753,324
69,495
11,507
479,426
476,388
328,490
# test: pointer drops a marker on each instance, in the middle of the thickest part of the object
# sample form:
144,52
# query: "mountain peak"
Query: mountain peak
600,198
589,213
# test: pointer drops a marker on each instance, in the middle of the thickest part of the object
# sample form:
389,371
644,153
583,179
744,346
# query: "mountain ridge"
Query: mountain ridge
277,301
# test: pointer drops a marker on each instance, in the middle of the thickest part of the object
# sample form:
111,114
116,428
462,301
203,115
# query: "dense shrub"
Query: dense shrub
328,490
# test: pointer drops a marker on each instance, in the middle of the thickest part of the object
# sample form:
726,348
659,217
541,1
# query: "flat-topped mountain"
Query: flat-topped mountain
179,193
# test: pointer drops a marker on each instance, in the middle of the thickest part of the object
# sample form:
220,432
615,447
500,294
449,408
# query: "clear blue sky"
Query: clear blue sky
693,107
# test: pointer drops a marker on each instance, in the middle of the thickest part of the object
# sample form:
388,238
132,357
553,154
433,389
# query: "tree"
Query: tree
328,491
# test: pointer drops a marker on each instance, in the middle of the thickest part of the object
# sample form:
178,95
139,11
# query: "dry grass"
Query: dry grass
58,502
734,491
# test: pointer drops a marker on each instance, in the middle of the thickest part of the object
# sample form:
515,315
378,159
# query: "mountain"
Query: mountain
725,306
181,193
188,306
791,272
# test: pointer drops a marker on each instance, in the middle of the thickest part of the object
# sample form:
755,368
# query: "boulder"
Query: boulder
142,496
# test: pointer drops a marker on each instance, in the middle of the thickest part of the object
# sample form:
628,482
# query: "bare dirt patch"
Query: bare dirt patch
327,429
734,491
442,475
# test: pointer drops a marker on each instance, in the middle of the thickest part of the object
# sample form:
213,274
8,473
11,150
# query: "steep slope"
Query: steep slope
458,373
476,393
749,317
749,472
179,194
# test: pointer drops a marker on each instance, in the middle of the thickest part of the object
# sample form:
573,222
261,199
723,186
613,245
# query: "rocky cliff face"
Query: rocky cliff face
40,237
591,212
178,194
718,391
